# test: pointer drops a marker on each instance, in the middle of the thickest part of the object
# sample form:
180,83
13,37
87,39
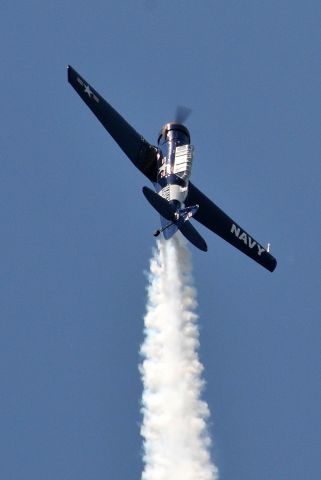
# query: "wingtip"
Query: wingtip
271,263
274,265
70,72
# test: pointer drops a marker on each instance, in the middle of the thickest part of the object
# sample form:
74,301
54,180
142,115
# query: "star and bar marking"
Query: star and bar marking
87,89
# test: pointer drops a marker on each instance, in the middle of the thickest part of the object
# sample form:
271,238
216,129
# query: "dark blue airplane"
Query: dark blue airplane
168,166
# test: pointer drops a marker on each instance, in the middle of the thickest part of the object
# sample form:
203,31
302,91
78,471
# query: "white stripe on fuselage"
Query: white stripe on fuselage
246,239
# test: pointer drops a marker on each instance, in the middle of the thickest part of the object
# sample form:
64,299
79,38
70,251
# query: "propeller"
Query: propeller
182,113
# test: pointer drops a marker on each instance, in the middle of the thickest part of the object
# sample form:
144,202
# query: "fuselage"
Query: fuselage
174,163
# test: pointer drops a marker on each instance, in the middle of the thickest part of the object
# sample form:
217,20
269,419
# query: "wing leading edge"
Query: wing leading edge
138,150
212,217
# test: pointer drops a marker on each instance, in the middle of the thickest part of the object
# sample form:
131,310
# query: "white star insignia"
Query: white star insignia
88,91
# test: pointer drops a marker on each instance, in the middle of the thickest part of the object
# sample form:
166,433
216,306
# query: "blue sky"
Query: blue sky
76,230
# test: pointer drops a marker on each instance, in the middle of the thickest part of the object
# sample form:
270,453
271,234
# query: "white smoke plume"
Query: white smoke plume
176,441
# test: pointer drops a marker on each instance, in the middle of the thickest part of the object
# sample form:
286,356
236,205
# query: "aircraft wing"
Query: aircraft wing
212,217
137,149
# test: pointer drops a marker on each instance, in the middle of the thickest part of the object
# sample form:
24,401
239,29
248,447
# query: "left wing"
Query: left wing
216,220
137,149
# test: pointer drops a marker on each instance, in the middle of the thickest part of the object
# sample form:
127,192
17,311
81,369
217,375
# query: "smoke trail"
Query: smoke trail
176,442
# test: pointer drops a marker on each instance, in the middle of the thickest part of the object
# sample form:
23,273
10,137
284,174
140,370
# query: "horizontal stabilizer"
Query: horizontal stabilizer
161,205
193,236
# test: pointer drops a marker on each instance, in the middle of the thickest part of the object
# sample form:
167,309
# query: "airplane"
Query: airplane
168,166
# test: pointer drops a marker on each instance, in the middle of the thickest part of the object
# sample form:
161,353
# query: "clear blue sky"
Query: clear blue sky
76,230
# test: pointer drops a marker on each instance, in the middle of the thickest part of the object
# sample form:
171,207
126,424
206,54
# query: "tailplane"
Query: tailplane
175,219
162,206
193,236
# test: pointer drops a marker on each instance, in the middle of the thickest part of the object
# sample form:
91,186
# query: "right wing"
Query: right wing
137,149
216,220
